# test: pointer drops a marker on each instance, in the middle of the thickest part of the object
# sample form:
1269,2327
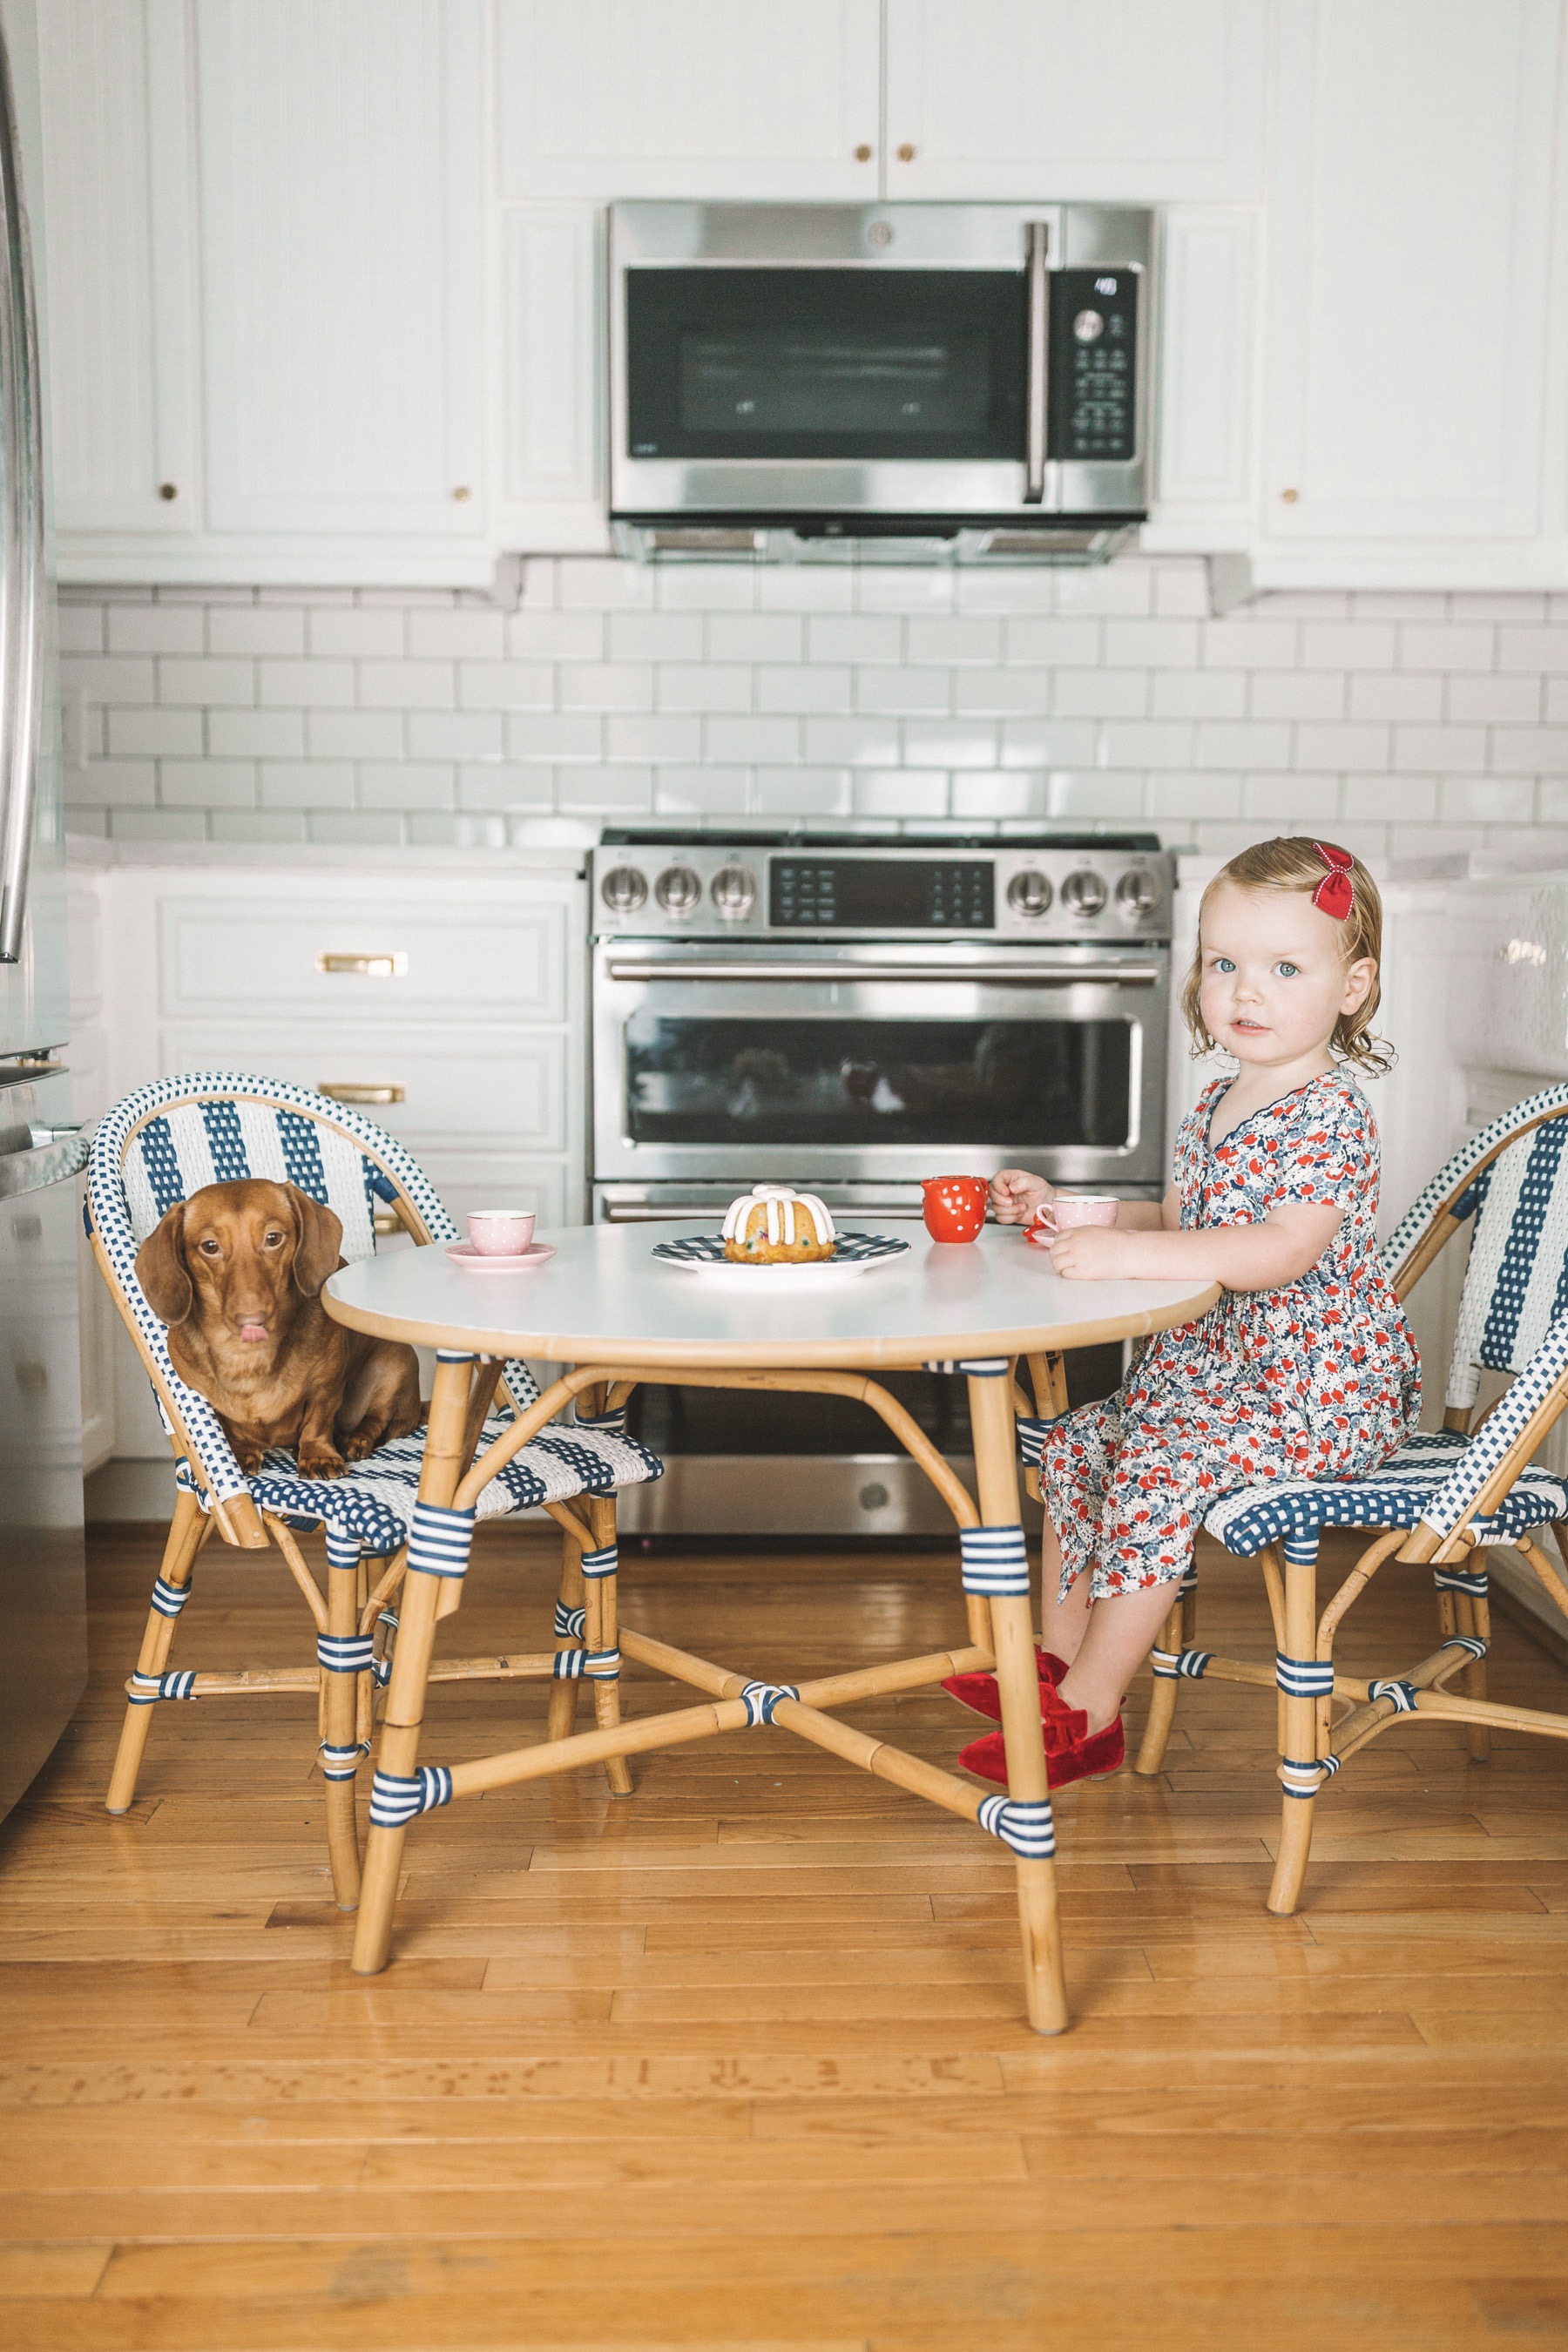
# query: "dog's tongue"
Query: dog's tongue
253,1330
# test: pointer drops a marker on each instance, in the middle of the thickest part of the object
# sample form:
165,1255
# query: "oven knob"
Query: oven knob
1084,891
678,890
733,891
1088,326
1030,893
1137,894
623,889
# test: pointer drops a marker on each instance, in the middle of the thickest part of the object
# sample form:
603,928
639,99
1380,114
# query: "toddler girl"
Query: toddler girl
1305,1369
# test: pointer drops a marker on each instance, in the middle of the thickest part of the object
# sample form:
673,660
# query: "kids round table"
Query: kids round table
605,1306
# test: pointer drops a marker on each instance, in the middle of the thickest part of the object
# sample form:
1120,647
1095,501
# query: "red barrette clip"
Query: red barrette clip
1334,894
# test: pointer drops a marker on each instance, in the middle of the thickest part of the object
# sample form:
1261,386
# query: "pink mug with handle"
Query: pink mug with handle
1065,1211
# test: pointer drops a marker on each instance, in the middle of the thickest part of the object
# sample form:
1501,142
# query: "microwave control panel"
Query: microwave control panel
1094,365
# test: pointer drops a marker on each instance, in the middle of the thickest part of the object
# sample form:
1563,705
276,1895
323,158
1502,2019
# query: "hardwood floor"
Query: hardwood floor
740,2062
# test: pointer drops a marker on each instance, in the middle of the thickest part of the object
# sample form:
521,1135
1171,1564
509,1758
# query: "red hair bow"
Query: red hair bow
1334,894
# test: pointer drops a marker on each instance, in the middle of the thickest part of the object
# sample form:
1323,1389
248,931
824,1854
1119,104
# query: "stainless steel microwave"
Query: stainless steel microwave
809,379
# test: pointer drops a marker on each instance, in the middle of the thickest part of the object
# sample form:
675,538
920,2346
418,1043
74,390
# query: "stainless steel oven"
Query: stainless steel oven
856,1016
851,1014
969,380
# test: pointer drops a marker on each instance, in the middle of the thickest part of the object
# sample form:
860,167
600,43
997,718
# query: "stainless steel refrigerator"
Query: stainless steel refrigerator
42,1607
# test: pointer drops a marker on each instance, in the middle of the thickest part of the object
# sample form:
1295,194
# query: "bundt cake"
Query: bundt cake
773,1225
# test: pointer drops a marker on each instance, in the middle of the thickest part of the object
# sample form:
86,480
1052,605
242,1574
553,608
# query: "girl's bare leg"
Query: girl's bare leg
1120,1631
1063,1623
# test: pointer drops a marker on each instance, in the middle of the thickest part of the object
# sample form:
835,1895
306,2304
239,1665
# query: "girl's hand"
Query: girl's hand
1015,1196
1094,1254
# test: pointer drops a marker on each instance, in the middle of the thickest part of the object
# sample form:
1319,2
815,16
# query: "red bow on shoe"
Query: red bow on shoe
1334,894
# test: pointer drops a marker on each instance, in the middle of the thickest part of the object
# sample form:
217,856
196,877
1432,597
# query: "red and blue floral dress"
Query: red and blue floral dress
1319,1379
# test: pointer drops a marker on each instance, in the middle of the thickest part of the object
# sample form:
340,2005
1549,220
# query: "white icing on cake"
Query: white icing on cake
783,1204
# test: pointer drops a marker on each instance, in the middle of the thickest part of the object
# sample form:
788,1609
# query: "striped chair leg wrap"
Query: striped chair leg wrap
145,1690
342,1552
995,1561
1401,1694
1190,1665
762,1699
341,1763
1470,1644
586,1666
1304,1677
608,1424
1301,1550
1033,1429
345,1654
168,1599
1304,1776
569,1622
1024,1825
380,1668
1471,1581
397,1798
600,1563
439,1539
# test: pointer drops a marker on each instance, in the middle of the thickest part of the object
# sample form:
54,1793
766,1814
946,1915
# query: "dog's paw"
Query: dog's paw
320,1462
249,1458
362,1444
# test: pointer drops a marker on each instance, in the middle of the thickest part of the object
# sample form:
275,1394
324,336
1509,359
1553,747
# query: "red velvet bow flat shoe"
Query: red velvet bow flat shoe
979,1692
1074,1754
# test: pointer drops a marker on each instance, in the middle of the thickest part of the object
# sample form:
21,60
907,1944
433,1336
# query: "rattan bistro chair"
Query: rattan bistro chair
156,1147
1447,1497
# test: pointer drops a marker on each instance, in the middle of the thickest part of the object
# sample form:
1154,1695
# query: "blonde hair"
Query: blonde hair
1291,862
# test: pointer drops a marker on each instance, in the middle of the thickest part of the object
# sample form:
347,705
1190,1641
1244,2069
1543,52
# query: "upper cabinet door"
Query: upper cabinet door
774,99
1410,270
1025,100
117,211
342,225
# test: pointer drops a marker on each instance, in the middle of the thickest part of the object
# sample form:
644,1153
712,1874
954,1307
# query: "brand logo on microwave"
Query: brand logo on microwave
1105,285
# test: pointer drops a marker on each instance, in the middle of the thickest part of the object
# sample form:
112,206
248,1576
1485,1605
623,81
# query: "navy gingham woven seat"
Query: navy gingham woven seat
165,1142
1401,1494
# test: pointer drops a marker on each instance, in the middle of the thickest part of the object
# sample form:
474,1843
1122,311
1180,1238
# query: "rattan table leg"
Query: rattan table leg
997,1479
441,1469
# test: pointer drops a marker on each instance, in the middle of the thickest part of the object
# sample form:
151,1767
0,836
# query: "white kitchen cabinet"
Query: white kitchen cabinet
117,202
689,98
342,234
1411,284
1116,100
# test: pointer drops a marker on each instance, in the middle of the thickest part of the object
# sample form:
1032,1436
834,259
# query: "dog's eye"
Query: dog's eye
272,1241
209,1249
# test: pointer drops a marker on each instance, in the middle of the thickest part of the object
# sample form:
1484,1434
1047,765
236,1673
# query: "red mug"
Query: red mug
954,1206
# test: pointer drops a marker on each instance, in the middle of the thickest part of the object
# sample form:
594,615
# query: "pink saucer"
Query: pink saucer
516,1262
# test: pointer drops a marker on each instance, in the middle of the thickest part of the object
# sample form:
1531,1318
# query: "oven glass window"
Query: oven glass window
825,362
1008,1083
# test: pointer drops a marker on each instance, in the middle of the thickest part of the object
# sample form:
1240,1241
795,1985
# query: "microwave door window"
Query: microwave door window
817,364
1012,1084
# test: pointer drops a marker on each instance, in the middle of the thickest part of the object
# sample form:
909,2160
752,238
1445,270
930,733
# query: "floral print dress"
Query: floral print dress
1319,1380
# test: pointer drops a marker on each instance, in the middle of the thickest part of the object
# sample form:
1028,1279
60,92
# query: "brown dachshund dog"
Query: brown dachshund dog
236,1273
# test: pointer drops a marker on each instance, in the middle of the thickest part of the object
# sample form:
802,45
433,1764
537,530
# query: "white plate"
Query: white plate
703,1254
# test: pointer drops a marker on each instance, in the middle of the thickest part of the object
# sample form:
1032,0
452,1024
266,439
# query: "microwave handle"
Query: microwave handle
1037,394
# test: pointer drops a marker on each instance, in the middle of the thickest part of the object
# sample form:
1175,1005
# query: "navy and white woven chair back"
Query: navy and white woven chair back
170,1138
1507,1421
1450,1178
1516,1286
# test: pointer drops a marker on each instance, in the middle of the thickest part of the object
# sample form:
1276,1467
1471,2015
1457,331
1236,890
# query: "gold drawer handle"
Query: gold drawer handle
386,1221
365,967
345,1090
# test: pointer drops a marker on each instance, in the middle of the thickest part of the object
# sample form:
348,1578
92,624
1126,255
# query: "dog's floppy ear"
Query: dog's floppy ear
160,1266
321,1242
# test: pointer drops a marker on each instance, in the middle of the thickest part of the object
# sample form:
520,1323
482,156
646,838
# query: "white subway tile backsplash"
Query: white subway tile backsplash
828,693
254,734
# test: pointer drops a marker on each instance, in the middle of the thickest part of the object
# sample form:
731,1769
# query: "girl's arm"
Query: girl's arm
1015,1196
1265,1256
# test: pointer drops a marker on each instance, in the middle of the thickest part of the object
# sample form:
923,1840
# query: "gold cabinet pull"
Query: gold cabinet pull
364,967
349,1090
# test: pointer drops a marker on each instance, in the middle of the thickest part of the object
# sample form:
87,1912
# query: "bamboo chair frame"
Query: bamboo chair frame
1312,1743
352,1606
1000,1639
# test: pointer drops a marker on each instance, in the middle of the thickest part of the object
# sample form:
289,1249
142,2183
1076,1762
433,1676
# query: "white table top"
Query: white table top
605,1299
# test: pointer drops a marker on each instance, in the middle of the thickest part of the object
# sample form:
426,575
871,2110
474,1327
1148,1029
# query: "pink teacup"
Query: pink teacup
501,1233
1061,1214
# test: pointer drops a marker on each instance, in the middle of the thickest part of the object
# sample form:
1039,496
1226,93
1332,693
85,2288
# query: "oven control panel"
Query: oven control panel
704,888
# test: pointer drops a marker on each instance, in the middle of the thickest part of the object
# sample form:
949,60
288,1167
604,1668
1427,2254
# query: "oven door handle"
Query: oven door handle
1023,976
